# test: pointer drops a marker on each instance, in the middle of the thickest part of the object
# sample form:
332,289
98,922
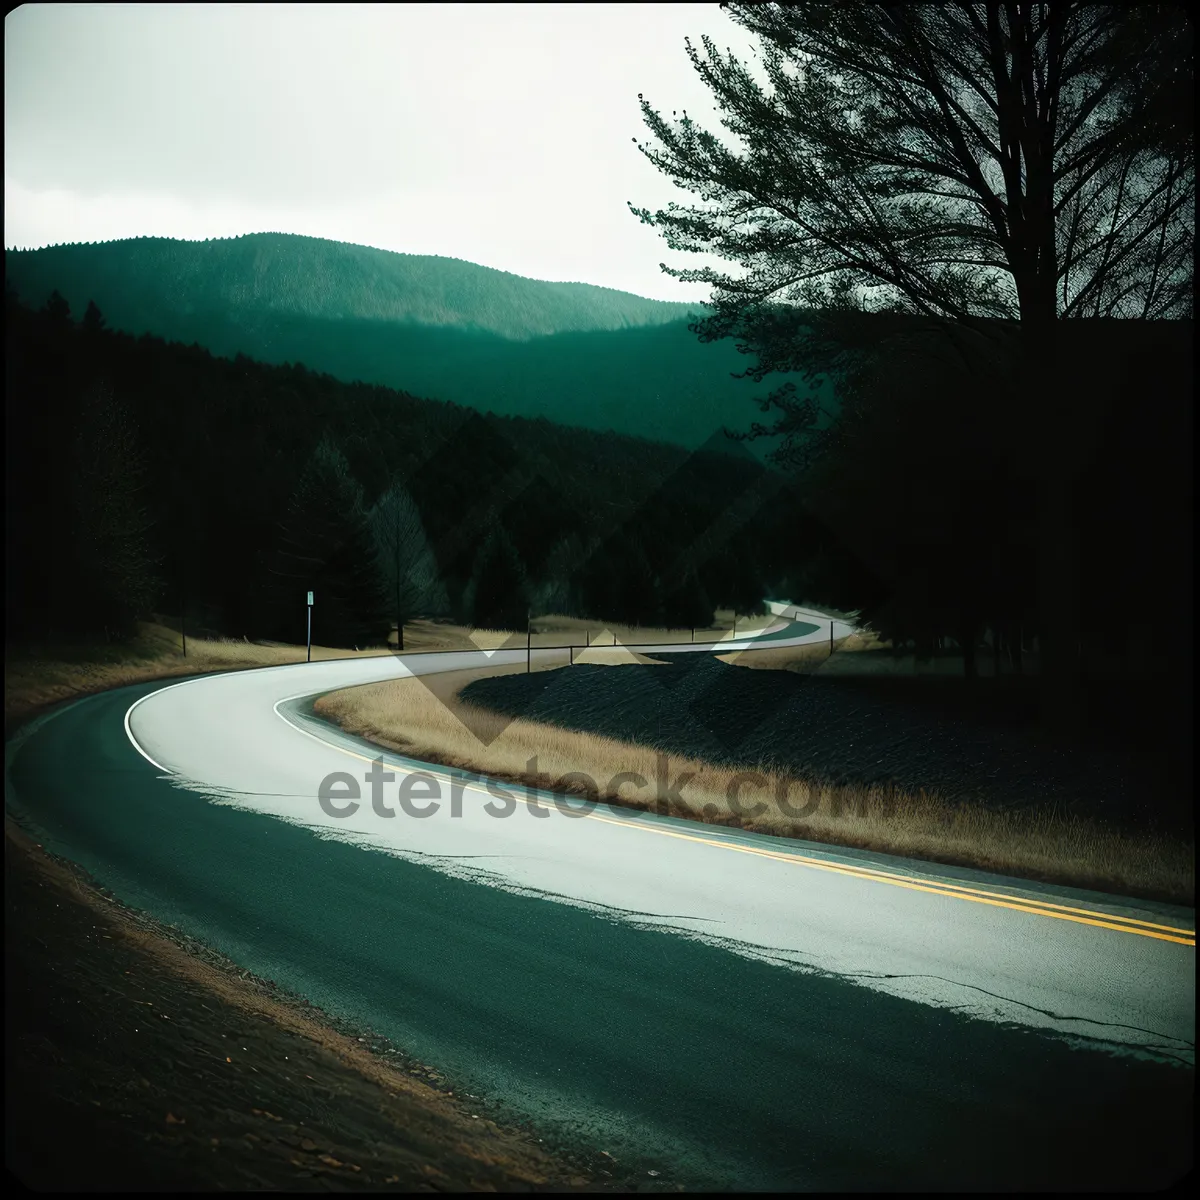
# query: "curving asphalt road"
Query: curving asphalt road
726,1009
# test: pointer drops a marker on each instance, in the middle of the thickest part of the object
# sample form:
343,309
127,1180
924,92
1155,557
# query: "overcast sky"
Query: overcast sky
497,133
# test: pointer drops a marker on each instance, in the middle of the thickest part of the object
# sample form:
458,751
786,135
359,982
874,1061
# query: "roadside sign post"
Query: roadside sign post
528,642
183,607
308,658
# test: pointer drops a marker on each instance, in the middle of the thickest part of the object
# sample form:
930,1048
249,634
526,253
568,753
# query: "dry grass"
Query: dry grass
557,630
34,678
554,631
38,676
612,656
428,720
863,653
815,656
425,718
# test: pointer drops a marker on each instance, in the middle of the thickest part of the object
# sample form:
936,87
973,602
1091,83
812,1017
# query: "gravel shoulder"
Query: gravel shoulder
137,1061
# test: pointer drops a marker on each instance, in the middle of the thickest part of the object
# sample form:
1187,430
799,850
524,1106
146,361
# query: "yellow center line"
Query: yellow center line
1017,904
1042,908
874,873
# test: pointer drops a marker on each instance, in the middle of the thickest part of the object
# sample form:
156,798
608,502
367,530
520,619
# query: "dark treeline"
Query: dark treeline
925,476
146,476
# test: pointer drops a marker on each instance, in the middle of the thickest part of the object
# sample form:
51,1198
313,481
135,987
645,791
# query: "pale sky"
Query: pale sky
497,133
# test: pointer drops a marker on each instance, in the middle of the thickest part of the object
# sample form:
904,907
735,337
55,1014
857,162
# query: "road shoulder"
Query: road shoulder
136,1060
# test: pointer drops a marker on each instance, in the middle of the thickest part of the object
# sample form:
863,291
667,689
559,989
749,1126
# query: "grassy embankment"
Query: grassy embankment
38,676
426,719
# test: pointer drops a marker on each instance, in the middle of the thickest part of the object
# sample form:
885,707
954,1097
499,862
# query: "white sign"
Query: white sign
310,599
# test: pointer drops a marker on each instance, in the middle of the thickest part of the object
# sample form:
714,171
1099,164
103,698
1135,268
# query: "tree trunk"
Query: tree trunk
399,615
1058,603
969,637
1060,426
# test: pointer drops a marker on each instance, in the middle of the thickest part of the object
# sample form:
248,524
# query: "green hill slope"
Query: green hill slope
314,277
570,352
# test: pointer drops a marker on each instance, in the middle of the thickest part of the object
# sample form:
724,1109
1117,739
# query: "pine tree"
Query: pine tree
991,169
408,566
93,320
498,595
687,605
12,299
116,574
326,547
616,583
638,592
57,312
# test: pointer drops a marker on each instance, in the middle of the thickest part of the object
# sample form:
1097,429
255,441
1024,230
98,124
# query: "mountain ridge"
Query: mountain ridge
311,276
574,353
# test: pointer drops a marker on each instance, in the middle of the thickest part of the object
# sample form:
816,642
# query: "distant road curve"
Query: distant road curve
739,1010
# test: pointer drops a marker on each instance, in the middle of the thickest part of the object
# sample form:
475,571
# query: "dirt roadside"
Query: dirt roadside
135,1061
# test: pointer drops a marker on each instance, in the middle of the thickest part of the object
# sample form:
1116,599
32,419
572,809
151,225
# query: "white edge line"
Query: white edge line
488,654
438,772
129,732
922,878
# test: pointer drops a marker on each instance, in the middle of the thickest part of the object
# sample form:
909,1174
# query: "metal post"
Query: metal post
830,637
308,657
528,644
571,650
183,607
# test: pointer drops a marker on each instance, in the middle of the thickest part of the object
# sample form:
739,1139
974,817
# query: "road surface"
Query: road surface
725,1009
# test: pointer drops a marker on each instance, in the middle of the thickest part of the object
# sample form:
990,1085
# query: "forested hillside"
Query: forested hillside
571,352
315,277
146,475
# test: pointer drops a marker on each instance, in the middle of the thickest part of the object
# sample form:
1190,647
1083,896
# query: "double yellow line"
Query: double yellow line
955,891
1042,908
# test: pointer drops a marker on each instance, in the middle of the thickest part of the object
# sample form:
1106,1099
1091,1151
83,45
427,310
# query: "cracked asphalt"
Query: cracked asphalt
726,1010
